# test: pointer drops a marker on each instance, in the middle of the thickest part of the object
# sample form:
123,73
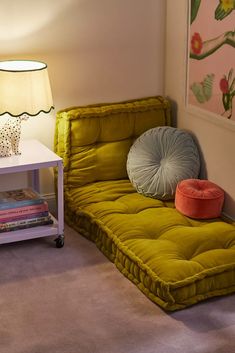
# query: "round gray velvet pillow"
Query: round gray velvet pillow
159,159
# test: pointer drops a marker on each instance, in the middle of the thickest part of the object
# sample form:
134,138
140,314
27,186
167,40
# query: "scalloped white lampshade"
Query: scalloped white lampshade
24,88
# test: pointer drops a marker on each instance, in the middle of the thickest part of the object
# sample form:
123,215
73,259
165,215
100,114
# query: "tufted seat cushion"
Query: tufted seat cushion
176,261
199,198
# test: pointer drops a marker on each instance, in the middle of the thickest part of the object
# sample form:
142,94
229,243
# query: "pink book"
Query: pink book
20,211
24,216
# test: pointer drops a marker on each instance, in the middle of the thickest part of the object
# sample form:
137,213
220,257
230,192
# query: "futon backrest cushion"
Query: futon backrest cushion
94,141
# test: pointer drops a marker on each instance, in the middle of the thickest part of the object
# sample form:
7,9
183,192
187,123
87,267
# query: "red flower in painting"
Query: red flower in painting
224,85
196,43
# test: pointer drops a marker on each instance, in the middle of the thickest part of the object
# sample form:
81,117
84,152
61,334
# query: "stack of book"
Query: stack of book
22,208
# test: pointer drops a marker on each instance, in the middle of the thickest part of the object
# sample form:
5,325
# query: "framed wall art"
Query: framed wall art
211,57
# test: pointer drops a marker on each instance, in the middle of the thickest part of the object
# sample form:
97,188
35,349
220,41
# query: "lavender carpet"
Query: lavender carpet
73,300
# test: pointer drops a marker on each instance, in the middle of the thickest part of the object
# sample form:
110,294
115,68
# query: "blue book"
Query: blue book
19,198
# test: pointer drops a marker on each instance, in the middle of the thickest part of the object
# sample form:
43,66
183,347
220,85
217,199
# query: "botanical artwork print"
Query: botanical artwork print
212,56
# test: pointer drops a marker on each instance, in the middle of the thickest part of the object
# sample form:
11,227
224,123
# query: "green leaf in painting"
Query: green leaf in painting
195,4
203,90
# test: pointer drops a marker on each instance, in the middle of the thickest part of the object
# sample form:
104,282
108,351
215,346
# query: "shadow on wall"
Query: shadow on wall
229,204
33,18
59,25
174,112
203,170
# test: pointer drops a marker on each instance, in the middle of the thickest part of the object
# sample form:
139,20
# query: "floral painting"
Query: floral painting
211,81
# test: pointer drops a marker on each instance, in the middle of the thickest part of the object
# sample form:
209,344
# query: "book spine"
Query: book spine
27,216
25,226
26,210
9,205
24,222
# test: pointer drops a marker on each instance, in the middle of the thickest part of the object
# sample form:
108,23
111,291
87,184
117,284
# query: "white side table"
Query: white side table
34,156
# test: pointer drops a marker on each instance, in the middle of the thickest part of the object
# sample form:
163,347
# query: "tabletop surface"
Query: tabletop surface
33,153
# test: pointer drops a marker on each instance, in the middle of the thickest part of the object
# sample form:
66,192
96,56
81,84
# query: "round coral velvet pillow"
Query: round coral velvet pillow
200,199
159,159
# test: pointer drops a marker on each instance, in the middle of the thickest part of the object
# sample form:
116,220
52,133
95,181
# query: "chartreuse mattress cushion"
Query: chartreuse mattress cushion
174,260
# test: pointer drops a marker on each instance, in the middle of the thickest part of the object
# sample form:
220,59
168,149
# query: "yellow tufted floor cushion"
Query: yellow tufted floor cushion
174,260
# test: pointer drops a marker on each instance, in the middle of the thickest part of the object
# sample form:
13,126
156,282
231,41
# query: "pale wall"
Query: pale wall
216,136
96,51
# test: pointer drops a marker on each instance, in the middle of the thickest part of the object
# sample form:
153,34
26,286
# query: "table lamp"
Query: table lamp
24,91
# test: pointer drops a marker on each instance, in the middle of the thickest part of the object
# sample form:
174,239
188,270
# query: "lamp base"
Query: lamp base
10,136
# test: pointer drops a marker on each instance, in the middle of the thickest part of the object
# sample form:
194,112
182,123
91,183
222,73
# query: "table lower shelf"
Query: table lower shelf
30,233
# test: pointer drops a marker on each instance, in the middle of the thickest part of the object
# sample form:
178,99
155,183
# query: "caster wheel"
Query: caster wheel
59,242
